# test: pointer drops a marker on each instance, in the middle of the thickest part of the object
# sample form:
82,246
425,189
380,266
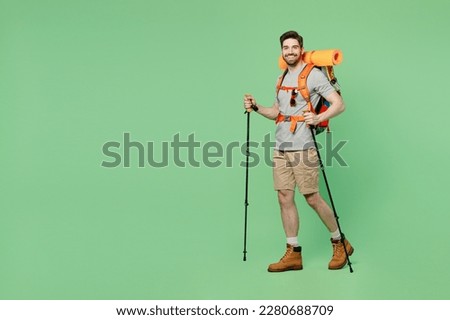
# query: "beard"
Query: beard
291,60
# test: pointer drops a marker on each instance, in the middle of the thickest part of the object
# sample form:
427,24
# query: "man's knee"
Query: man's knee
285,197
312,199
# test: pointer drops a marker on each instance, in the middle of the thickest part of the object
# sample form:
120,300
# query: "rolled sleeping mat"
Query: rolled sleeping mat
320,58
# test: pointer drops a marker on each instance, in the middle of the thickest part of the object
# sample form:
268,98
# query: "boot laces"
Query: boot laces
338,248
287,253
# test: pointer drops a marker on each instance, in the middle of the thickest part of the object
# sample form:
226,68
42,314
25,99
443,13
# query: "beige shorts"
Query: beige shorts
299,168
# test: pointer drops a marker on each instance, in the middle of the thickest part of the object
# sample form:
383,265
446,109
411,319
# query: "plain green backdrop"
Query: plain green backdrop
75,75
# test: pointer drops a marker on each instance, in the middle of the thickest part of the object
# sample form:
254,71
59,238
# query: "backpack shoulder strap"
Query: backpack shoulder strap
280,81
329,72
303,88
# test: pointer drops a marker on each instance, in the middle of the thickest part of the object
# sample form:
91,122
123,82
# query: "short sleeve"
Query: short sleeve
319,83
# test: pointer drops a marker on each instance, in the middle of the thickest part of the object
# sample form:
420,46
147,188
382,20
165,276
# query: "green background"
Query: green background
77,74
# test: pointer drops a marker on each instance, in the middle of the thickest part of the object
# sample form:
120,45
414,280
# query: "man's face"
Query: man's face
291,51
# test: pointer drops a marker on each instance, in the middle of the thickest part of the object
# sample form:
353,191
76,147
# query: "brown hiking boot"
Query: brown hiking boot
292,260
339,259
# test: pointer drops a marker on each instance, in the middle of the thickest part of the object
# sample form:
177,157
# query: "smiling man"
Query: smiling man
295,157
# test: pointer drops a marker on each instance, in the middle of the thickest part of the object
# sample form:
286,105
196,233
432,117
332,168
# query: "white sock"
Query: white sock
293,241
336,235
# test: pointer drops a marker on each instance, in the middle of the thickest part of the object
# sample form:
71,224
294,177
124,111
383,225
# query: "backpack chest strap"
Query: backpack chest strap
292,119
302,85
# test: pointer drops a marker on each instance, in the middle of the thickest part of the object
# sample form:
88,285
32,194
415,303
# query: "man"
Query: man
295,157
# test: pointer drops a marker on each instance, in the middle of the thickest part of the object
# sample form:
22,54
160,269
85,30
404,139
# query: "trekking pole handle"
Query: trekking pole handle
254,107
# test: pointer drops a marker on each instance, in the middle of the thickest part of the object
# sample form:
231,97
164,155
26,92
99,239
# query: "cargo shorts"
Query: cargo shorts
296,168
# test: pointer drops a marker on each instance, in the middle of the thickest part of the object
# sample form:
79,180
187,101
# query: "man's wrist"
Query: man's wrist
320,118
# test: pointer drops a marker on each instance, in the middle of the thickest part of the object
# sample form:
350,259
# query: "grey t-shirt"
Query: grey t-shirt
301,139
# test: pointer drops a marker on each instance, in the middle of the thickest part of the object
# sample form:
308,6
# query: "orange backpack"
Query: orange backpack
324,61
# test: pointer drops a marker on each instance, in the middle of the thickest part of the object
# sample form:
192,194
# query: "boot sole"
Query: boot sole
287,269
345,262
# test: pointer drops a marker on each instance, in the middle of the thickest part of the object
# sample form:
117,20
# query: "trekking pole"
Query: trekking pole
331,198
247,153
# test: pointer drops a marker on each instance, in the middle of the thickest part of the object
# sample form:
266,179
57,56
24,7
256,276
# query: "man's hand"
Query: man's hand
311,118
248,102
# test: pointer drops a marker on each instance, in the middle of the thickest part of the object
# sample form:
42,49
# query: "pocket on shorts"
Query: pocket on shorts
312,160
278,159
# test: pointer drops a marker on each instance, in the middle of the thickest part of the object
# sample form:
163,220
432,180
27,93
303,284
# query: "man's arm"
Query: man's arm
337,106
268,112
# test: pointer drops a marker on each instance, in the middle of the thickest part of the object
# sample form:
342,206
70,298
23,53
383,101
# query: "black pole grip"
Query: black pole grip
254,107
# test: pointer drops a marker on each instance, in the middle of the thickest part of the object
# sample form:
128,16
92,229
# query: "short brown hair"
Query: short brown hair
291,35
